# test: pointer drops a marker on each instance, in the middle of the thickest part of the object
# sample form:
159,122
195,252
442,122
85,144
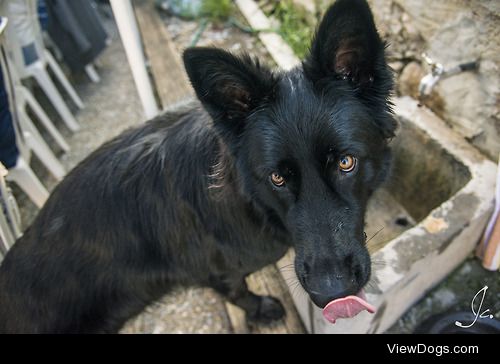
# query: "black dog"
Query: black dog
214,191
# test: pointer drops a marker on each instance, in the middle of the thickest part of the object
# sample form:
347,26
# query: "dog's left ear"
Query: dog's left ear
229,87
346,45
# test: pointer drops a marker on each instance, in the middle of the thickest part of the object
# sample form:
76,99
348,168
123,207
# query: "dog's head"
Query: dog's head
310,145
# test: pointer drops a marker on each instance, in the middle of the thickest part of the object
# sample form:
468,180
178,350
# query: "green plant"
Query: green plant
296,26
217,10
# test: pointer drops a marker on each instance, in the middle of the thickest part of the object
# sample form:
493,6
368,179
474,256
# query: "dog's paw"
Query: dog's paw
270,309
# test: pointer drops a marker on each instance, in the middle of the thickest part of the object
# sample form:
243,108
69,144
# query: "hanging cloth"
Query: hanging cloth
77,31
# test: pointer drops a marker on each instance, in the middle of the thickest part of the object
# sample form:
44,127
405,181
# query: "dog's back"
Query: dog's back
130,222
111,237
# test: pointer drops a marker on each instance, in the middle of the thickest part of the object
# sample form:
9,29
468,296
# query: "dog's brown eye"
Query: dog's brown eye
347,163
277,179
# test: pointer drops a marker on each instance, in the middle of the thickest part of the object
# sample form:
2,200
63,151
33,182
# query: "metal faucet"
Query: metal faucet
438,72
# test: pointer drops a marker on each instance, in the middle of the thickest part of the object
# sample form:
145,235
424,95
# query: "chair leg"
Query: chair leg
14,216
40,148
54,66
26,179
10,207
6,237
45,82
92,73
44,119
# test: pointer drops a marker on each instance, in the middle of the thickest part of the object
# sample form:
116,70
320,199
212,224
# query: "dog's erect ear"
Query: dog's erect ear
229,87
347,49
346,45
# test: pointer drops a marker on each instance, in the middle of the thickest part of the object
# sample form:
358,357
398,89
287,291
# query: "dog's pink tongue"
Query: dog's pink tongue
348,306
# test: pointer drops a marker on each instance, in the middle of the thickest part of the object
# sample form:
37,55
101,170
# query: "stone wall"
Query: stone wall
452,32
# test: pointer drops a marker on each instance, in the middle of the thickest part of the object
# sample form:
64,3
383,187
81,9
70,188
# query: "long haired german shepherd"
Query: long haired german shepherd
210,192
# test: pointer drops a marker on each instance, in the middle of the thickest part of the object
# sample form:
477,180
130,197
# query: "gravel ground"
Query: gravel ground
186,311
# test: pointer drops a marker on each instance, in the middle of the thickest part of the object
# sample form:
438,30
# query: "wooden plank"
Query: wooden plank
237,318
276,46
170,78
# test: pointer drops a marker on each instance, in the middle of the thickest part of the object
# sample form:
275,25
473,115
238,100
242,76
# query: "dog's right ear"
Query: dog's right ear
347,50
346,45
229,87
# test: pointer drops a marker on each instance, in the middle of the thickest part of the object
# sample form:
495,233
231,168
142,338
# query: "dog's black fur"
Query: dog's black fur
187,198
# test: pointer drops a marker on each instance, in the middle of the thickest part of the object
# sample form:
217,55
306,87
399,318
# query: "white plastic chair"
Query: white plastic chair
6,237
24,98
26,179
28,140
10,221
24,34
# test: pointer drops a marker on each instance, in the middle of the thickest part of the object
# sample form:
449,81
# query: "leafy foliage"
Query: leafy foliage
217,10
296,26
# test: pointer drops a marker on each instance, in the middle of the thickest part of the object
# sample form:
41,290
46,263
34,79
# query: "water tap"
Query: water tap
438,72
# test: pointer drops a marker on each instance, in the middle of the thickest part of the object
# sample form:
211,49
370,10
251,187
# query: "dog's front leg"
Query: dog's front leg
258,308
